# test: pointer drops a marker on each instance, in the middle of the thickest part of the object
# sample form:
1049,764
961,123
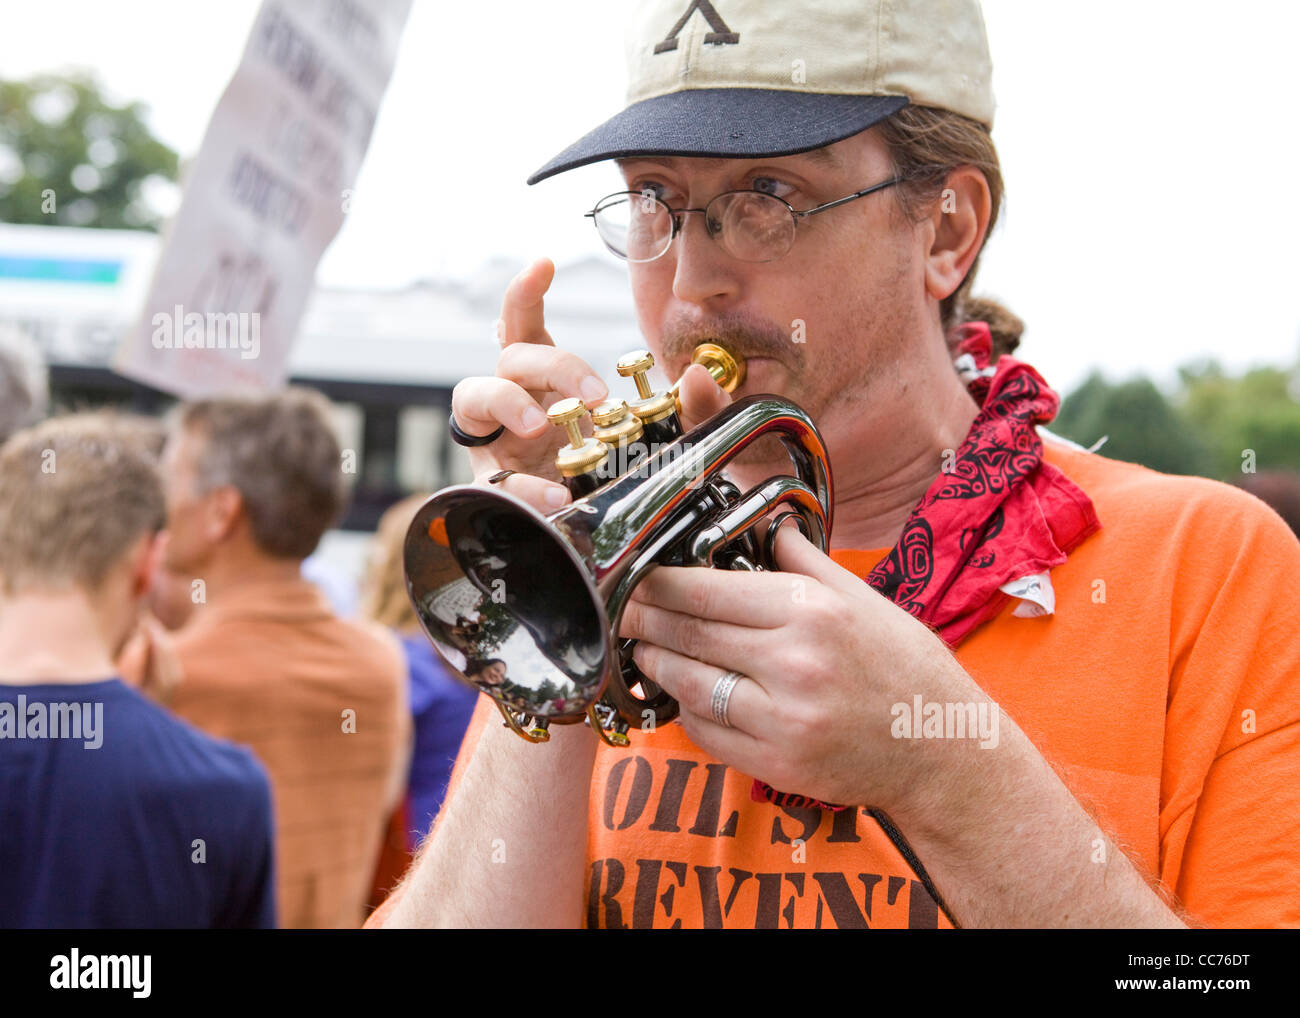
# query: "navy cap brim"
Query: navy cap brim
726,123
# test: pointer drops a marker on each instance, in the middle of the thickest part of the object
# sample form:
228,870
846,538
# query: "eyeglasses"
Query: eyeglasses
749,225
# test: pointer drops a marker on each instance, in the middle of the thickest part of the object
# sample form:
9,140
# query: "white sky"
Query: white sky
1150,150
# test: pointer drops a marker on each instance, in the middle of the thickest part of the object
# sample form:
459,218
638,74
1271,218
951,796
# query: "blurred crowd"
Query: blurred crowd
191,735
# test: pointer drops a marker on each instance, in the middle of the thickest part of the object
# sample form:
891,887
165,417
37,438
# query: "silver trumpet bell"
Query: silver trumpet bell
526,607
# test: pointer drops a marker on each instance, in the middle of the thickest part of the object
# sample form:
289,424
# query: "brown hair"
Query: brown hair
281,453
76,493
383,597
926,145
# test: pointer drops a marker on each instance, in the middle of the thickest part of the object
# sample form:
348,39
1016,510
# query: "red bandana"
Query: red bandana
997,513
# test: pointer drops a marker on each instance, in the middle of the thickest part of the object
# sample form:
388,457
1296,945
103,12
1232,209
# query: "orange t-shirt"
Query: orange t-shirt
271,667
1165,689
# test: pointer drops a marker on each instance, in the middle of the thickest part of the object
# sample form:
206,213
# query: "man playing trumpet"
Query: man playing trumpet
1029,686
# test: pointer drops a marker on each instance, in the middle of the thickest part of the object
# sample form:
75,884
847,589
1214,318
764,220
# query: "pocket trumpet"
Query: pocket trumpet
547,592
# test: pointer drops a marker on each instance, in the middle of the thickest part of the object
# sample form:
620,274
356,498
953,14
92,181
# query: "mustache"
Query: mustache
741,334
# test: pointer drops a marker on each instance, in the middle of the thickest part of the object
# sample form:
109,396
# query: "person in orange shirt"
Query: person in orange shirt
1066,693
252,484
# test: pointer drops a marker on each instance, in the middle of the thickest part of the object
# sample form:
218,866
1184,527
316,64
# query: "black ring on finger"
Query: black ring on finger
469,441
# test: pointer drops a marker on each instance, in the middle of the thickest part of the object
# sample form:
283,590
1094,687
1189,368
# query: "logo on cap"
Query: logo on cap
720,36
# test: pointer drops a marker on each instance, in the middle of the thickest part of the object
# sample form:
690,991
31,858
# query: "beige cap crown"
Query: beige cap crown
935,52
756,78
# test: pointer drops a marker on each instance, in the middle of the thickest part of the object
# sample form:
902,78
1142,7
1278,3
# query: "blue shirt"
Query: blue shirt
441,706
114,813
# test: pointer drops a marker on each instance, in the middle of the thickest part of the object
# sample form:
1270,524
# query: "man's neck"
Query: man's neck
52,638
884,461
884,467
232,570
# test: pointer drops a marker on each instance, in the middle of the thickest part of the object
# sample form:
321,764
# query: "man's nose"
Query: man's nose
704,274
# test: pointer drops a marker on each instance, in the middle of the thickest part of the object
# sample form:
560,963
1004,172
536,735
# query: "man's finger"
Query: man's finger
796,554
549,369
691,683
543,495
132,660
481,405
164,667
700,395
521,310
757,600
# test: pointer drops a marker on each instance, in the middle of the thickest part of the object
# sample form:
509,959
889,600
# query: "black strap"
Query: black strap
460,438
900,843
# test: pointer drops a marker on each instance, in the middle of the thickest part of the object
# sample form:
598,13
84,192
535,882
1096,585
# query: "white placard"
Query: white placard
264,197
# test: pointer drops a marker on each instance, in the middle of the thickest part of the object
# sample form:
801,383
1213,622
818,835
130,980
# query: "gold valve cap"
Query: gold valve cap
621,432
655,407
566,413
565,410
614,424
611,411
635,362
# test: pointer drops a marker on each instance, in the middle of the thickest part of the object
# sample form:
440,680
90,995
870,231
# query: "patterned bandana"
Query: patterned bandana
995,514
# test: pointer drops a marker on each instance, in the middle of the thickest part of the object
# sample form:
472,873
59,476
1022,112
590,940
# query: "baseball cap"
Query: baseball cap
747,78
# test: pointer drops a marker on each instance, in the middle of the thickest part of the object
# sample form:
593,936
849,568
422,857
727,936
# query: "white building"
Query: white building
388,358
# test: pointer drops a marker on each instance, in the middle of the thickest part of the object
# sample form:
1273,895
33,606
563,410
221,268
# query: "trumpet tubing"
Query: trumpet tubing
549,590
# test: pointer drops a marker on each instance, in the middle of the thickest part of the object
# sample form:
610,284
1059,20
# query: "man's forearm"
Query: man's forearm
510,846
1008,845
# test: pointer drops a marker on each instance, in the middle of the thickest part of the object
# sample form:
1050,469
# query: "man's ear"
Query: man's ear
222,509
958,222
144,558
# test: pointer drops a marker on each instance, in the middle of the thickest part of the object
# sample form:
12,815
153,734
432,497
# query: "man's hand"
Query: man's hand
824,657
532,373
149,661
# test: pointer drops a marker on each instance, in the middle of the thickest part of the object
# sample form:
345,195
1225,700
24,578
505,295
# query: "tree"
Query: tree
1141,425
68,157
1252,420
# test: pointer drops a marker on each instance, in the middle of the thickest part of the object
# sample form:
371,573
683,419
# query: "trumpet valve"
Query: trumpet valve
651,406
567,413
581,455
636,365
614,424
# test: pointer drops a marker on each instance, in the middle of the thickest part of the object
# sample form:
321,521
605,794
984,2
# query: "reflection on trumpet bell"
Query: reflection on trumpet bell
548,592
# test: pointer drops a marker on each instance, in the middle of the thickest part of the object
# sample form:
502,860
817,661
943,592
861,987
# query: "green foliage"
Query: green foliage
1141,425
1204,429
495,626
70,158
547,691
1256,411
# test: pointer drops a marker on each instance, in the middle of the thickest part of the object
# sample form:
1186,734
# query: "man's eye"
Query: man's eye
650,189
770,185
